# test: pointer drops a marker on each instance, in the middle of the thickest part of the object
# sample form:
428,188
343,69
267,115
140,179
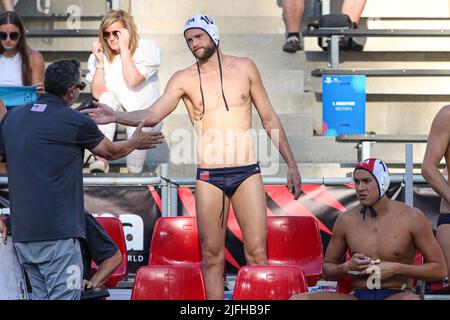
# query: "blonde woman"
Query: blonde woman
123,73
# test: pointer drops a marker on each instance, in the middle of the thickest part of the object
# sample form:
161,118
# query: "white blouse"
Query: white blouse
147,60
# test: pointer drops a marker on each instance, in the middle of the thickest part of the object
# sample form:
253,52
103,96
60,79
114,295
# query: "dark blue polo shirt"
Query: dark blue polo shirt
44,143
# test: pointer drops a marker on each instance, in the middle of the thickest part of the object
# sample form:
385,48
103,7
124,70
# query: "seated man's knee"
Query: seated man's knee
410,296
300,296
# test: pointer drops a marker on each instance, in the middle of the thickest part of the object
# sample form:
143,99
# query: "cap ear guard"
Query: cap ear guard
384,183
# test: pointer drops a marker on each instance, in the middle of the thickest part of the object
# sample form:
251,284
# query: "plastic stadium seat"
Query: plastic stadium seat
113,227
273,282
295,240
169,282
175,240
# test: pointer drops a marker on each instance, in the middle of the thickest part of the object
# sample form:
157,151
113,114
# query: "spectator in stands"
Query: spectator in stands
293,13
438,149
46,194
382,237
123,72
8,5
19,64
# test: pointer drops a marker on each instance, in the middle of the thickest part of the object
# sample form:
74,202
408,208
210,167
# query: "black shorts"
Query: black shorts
98,245
444,218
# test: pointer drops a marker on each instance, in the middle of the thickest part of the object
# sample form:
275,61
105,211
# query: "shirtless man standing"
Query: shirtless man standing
438,148
218,92
382,235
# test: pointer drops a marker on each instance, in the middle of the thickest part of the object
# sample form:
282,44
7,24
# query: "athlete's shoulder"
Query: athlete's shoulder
183,76
243,62
443,113
348,216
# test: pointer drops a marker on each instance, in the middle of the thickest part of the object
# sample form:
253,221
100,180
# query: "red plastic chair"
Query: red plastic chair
113,227
169,282
295,240
273,282
175,240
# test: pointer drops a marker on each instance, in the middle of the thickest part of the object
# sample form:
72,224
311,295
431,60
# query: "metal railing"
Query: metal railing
169,186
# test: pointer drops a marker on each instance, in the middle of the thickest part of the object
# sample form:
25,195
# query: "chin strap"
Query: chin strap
373,213
221,85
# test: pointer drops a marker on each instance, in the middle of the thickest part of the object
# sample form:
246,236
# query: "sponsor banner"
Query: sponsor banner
138,208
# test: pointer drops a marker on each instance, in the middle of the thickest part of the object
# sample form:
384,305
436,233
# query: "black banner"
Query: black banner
138,208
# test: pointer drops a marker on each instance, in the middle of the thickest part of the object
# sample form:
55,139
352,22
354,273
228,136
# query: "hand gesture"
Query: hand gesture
3,231
102,114
97,50
358,264
124,39
294,181
146,140
387,269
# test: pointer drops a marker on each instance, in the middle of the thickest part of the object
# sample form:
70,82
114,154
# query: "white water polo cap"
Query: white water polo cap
379,170
206,24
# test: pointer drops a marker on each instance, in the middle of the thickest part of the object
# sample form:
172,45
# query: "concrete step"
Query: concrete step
229,41
213,8
289,103
387,57
62,45
407,8
297,124
294,124
264,60
325,150
401,44
226,24
393,117
60,7
276,82
48,24
402,85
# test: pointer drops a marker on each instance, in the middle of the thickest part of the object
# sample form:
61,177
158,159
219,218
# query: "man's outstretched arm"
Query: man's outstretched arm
273,127
152,115
140,140
438,143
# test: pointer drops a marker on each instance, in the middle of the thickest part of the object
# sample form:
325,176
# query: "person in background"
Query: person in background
19,64
123,73
8,5
293,12
46,194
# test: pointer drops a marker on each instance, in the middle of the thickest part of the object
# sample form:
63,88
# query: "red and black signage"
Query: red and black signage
139,207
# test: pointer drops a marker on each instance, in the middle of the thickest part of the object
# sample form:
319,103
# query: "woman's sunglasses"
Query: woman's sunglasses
13,36
108,34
